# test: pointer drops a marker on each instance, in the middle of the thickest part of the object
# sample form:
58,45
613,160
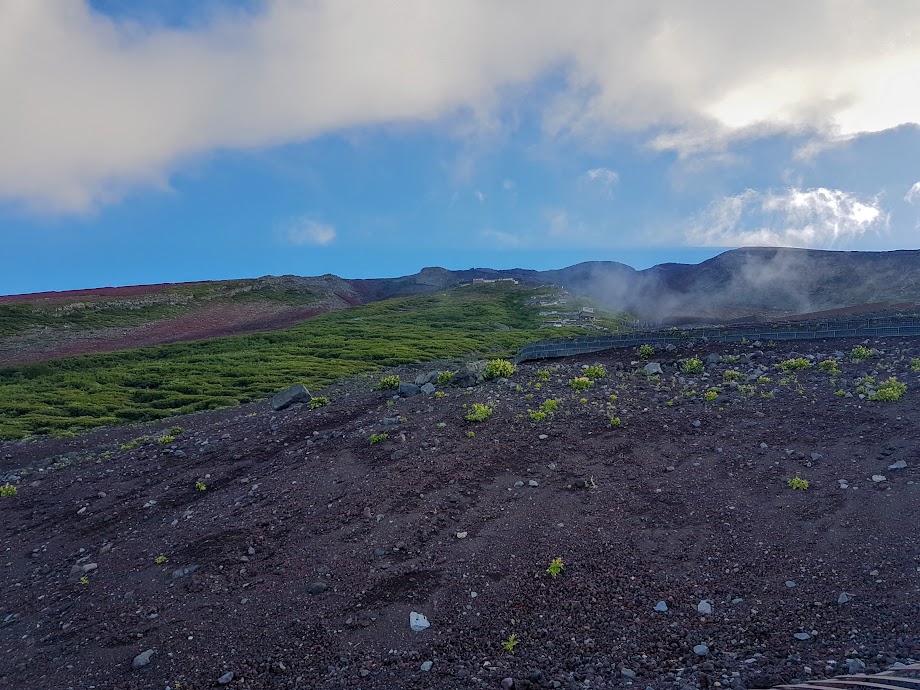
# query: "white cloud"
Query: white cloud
95,107
480,196
913,194
504,239
819,218
303,231
508,185
605,178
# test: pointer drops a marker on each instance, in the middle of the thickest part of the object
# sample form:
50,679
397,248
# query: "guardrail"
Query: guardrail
865,328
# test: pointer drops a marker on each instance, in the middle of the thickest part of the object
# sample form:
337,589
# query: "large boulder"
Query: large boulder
407,390
293,395
426,377
471,374
652,368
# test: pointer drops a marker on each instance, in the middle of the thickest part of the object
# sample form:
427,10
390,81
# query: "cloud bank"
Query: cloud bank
304,231
809,218
94,107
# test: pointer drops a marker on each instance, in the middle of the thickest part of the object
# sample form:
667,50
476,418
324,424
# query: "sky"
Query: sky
176,141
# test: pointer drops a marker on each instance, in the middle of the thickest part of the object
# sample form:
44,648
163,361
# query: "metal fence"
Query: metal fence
853,328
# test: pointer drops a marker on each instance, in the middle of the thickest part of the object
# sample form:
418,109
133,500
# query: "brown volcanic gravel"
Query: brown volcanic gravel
312,546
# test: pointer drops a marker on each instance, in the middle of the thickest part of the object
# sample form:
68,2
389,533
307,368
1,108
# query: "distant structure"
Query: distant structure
587,314
484,281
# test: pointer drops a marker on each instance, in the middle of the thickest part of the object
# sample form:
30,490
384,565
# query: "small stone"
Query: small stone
695,424
142,659
542,437
462,535
855,666
226,678
790,583
652,369
182,572
518,484
426,666
877,478
704,607
627,673
317,587
844,598
701,650
89,567
427,389
816,456
899,465
764,446
418,622
802,636
533,482
661,606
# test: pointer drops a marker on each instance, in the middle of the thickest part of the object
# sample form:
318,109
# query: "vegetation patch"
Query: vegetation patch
497,369
694,365
479,412
889,390
860,352
796,364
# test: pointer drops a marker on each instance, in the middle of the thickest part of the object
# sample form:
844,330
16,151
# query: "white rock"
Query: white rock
704,607
418,622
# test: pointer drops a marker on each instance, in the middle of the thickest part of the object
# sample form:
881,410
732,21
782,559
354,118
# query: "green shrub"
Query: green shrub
860,352
595,372
794,364
615,421
479,413
317,402
8,490
829,366
915,365
733,375
694,365
889,390
498,368
581,383
176,430
556,566
165,439
645,351
444,377
711,394
377,438
543,374
388,383
798,484
509,644
201,486
840,393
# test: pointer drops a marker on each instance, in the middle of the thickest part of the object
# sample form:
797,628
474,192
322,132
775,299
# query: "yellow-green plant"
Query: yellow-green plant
860,352
840,393
764,379
798,484
388,383
498,368
543,374
8,490
165,439
201,486
83,580
711,394
694,365
160,560
479,412
509,644
317,402
444,377
596,371
733,375
377,438
829,366
581,383
556,566
645,351
615,421
915,365
889,390
176,430
439,394
794,364
471,434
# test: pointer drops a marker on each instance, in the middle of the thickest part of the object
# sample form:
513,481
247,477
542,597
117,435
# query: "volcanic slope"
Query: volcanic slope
287,550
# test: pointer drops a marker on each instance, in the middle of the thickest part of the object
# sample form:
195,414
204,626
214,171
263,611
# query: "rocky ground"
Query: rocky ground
263,549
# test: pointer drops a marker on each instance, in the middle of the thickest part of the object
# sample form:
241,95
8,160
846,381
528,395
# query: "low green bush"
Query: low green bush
479,412
497,369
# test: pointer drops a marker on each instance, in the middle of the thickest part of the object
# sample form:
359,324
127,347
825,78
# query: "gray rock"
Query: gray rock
878,478
418,622
407,390
712,358
704,607
802,636
428,388
627,673
226,678
426,377
471,374
844,598
182,572
721,400
790,583
294,394
518,484
695,424
701,650
390,421
652,368
816,456
855,666
899,465
426,666
142,659
317,587
533,482
661,606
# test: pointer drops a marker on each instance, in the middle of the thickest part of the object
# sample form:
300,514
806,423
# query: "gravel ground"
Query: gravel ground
688,559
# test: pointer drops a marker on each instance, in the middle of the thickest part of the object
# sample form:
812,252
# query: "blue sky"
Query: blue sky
247,138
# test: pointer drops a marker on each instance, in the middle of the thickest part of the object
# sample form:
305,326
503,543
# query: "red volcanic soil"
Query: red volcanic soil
299,563
125,291
212,321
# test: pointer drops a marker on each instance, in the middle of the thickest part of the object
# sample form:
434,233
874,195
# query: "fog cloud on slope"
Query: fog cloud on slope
95,106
